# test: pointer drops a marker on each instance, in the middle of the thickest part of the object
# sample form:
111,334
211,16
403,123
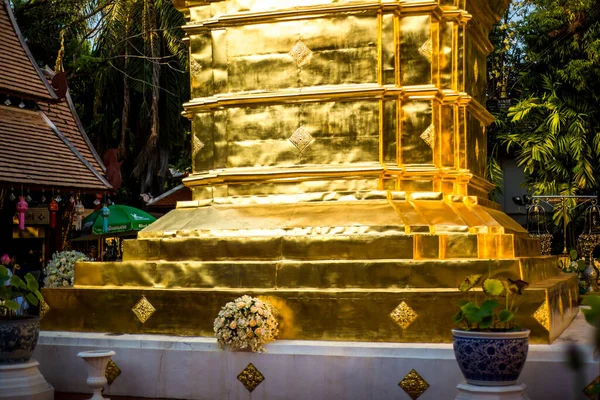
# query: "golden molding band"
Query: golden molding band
303,13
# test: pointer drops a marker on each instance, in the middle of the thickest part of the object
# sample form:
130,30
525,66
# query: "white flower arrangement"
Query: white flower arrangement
246,322
60,271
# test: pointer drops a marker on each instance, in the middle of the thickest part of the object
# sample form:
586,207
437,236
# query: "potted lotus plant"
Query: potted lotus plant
489,347
18,332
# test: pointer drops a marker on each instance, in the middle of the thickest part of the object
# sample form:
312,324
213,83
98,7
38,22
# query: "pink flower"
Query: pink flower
5,259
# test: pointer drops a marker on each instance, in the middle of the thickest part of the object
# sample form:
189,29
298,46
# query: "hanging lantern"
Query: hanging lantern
22,208
79,210
53,208
105,213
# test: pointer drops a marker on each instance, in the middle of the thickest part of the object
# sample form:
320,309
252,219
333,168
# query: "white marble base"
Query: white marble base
23,381
472,392
157,366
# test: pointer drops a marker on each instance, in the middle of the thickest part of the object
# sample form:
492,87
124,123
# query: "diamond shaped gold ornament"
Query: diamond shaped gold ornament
112,372
195,68
429,136
301,139
589,389
403,315
542,315
301,53
426,50
143,309
250,377
413,384
44,309
197,145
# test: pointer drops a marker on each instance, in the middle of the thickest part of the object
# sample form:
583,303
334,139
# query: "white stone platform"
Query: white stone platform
194,368
23,381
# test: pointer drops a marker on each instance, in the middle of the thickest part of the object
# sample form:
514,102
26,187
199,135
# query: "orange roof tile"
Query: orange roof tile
20,75
64,116
170,198
34,152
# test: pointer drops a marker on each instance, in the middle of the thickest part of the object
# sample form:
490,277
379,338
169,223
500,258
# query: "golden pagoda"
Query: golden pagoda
339,154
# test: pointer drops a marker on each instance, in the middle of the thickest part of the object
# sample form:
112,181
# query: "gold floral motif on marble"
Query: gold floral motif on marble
44,309
403,315
112,372
143,309
542,315
301,139
301,53
250,377
413,384
429,136
426,50
589,389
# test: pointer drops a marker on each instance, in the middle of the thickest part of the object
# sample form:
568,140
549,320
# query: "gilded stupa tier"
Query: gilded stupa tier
339,157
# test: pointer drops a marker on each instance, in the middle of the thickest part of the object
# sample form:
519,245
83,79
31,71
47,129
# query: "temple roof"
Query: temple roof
33,151
64,116
170,198
20,75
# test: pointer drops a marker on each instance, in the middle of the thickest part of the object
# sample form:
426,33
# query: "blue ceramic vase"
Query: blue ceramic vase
18,338
491,358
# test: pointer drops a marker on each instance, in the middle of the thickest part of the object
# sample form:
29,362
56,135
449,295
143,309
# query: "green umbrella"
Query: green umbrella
121,219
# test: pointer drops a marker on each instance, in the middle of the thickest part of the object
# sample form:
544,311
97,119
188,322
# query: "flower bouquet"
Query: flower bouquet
247,322
60,271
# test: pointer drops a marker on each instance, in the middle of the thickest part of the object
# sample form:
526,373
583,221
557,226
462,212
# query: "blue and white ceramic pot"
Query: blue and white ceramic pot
491,358
18,338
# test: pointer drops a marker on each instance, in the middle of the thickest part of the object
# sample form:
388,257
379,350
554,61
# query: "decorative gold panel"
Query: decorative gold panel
542,315
429,136
143,309
301,139
301,53
44,309
250,377
403,315
413,384
589,389
112,372
426,50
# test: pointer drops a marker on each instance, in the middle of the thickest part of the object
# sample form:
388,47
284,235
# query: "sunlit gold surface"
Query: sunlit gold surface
339,153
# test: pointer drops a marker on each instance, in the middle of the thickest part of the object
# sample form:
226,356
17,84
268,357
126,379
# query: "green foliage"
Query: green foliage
13,288
490,315
553,127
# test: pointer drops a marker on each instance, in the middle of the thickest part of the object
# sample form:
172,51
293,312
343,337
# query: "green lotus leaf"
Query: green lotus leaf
469,282
517,287
493,287
573,255
505,316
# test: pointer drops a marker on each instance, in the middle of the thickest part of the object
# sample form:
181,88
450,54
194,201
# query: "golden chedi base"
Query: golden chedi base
384,269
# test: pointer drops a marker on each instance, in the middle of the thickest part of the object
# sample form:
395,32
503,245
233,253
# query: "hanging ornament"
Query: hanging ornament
79,210
71,199
43,199
58,198
12,196
105,213
28,198
53,208
7,102
98,198
21,104
22,208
